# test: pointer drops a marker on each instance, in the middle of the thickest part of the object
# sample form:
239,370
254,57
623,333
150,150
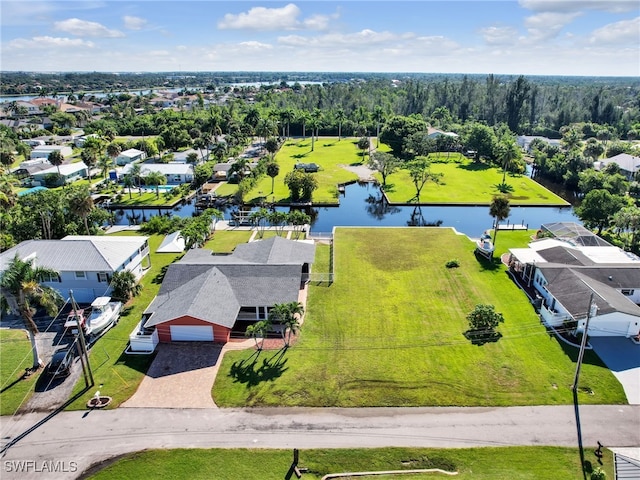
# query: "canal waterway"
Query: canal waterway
362,204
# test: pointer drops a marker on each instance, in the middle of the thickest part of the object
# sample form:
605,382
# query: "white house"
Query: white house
524,141
566,272
435,133
129,156
43,151
70,172
629,164
85,264
176,173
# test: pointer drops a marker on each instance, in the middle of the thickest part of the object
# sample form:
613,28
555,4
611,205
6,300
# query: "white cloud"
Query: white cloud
543,26
134,23
623,32
262,18
253,45
159,53
331,40
615,6
499,35
48,42
284,18
84,28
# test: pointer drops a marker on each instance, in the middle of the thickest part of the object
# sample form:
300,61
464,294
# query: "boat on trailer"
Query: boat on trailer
104,314
484,245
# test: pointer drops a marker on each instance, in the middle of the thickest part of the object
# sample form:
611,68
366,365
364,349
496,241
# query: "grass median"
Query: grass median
507,463
390,332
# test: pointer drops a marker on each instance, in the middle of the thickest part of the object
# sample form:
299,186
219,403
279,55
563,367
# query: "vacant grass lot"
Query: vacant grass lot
464,181
329,152
389,332
509,463
15,357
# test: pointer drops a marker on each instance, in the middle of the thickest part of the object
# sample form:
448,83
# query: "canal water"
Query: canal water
362,204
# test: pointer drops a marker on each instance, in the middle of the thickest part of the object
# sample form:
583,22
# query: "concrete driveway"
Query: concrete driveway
622,357
181,376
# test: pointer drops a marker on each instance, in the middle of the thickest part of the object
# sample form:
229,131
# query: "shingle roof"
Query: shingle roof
572,287
214,287
81,253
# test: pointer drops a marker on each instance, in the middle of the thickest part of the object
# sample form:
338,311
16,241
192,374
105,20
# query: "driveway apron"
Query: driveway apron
622,357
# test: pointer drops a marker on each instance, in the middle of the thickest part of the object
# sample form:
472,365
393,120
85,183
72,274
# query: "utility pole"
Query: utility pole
84,355
574,387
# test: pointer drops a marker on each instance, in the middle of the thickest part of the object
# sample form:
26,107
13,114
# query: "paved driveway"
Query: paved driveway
622,357
181,376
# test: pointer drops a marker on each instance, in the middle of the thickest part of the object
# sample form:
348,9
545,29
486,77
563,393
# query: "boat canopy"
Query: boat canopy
101,302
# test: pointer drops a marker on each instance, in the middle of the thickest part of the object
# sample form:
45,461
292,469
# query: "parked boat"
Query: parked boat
104,313
484,245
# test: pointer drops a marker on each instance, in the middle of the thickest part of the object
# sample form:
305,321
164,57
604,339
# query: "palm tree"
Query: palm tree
303,117
340,118
258,330
508,153
105,164
128,182
219,150
81,203
378,116
124,286
156,179
136,172
314,123
287,314
21,292
273,169
55,158
89,158
499,210
113,150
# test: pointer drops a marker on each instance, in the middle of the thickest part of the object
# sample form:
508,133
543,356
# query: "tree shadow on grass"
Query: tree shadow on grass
486,263
160,276
481,337
474,166
250,372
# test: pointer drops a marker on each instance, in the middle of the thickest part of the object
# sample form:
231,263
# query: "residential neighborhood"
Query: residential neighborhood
262,255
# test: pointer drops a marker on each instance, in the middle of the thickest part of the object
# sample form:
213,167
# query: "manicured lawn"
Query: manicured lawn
464,181
146,199
328,152
541,463
389,332
118,373
224,241
15,357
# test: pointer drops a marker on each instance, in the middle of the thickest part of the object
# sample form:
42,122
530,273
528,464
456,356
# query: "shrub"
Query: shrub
598,474
453,263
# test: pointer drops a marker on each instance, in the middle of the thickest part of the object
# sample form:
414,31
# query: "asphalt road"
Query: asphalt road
72,441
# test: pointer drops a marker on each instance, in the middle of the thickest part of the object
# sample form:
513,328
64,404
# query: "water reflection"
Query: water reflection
362,204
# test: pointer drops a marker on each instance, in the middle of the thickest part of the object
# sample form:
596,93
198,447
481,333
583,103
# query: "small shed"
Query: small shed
172,243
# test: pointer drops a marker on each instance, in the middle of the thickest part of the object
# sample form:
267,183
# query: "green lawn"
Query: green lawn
15,357
328,152
120,374
389,332
224,241
507,463
464,181
147,199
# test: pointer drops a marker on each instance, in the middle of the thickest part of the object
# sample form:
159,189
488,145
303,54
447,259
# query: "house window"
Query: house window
50,278
80,276
627,291
103,277
261,313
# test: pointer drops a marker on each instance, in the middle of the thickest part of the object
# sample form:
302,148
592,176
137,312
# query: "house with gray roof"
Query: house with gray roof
566,273
204,297
85,263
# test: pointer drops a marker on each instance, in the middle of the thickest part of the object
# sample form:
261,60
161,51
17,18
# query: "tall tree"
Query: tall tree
598,208
385,163
517,95
156,179
273,169
56,159
420,173
378,117
288,315
499,210
81,204
20,285
340,118
508,154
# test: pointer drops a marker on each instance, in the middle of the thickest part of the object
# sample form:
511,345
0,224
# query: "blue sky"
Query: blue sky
531,37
